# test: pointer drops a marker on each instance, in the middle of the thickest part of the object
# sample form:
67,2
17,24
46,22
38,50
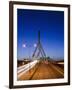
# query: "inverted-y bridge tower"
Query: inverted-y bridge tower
39,49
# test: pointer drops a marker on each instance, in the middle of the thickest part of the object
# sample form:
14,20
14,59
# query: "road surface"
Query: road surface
23,69
42,70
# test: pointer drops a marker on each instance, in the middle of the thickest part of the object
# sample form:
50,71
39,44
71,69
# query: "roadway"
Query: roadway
40,70
23,69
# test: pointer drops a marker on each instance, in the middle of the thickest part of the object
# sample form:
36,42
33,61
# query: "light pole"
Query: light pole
29,51
24,46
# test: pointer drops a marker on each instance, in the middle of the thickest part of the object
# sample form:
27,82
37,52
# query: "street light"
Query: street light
24,45
35,45
28,46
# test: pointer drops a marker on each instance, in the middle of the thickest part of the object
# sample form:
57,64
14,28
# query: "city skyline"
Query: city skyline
51,26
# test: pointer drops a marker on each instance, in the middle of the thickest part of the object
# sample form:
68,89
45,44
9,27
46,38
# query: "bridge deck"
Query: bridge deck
43,70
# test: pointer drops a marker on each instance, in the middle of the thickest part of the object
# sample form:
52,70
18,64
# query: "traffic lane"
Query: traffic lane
48,71
28,74
23,69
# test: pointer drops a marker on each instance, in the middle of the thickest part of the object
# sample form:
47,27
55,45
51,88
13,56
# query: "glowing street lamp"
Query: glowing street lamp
29,51
28,46
24,45
35,45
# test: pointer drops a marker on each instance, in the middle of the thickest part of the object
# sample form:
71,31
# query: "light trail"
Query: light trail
23,69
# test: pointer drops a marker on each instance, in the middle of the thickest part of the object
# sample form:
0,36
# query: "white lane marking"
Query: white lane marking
25,68
57,69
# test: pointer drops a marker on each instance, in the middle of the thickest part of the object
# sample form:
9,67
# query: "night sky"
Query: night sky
51,26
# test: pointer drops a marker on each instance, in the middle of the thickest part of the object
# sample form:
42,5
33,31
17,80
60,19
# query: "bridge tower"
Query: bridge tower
39,49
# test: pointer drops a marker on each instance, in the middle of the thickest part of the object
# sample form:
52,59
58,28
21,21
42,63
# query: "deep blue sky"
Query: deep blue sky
51,26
